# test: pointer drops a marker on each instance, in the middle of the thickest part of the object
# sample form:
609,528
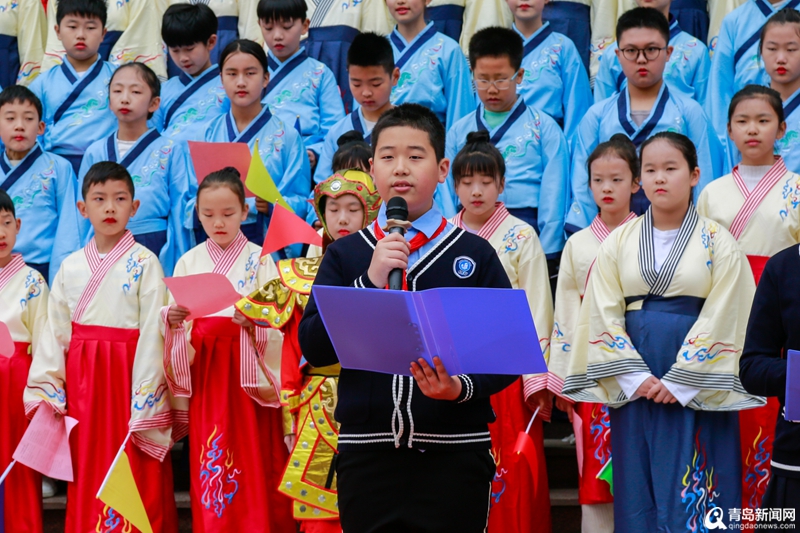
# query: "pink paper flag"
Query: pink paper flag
45,445
203,294
577,426
6,342
210,157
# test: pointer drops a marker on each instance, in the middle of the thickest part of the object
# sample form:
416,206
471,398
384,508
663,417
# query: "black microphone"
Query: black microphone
396,209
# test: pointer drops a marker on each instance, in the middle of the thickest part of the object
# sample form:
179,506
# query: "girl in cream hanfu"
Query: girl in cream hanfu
658,339
478,173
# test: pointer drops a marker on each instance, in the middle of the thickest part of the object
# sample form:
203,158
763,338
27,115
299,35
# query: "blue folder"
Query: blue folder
792,404
472,330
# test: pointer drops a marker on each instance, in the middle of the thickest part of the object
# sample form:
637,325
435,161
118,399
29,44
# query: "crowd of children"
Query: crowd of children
634,180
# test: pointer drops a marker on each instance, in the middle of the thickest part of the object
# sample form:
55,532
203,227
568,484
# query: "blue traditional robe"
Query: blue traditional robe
75,108
671,112
42,187
537,168
789,146
188,105
686,71
159,167
736,60
555,79
282,150
303,92
433,73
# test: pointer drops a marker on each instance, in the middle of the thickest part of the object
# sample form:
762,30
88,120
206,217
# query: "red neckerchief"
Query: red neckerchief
418,241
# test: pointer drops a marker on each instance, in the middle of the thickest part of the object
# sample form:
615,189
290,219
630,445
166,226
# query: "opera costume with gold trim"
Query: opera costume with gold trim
309,392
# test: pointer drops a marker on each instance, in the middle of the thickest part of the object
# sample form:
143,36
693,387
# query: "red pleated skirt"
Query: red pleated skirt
596,433
515,508
23,486
99,368
237,453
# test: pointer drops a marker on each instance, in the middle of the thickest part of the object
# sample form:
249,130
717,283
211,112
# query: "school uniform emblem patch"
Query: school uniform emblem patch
464,266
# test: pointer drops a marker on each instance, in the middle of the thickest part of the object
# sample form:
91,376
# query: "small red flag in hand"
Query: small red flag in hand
524,447
286,228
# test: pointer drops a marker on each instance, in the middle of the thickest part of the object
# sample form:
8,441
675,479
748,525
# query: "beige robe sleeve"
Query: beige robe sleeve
565,319
31,37
141,39
480,14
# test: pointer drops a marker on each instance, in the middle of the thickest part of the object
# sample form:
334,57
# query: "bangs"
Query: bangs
478,163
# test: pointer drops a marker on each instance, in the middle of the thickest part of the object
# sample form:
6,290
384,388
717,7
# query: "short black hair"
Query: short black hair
413,116
188,24
496,42
104,171
7,204
371,50
479,156
244,46
787,15
353,153
643,17
84,8
227,177
277,10
20,94
749,92
148,76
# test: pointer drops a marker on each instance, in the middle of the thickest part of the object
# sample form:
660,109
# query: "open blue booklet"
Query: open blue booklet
472,330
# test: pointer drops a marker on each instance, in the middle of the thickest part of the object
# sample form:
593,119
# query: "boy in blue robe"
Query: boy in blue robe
433,70
41,184
195,97
159,166
687,69
301,90
74,95
736,61
533,146
372,73
642,108
555,79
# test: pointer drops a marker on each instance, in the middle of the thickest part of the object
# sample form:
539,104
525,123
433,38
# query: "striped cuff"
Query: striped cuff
176,358
363,282
534,383
467,389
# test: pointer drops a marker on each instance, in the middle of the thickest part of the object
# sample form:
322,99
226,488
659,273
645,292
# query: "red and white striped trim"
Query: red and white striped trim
251,357
11,269
31,407
180,424
161,420
150,447
490,226
225,259
601,231
534,383
100,267
176,356
752,199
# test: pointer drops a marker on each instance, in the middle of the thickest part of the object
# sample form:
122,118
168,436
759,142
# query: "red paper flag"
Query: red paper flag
286,228
45,445
202,294
6,342
210,157
524,448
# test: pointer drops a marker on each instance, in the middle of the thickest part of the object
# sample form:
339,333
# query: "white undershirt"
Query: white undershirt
123,147
752,175
102,256
370,125
662,244
15,162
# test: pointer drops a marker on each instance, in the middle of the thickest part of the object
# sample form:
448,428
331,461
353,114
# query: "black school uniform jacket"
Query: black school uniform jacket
773,329
381,411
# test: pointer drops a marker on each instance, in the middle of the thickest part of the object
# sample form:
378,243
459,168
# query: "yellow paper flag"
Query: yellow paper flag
119,492
260,182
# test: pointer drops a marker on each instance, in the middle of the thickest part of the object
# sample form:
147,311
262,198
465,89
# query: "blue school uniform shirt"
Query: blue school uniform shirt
433,73
159,167
303,92
188,105
736,61
671,112
75,107
555,80
537,167
282,151
44,195
686,71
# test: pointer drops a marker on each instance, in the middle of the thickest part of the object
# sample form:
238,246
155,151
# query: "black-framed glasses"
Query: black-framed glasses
500,85
650,53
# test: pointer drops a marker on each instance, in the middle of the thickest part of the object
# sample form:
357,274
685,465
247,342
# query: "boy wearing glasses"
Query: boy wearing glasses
686,72
643,107
533,146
